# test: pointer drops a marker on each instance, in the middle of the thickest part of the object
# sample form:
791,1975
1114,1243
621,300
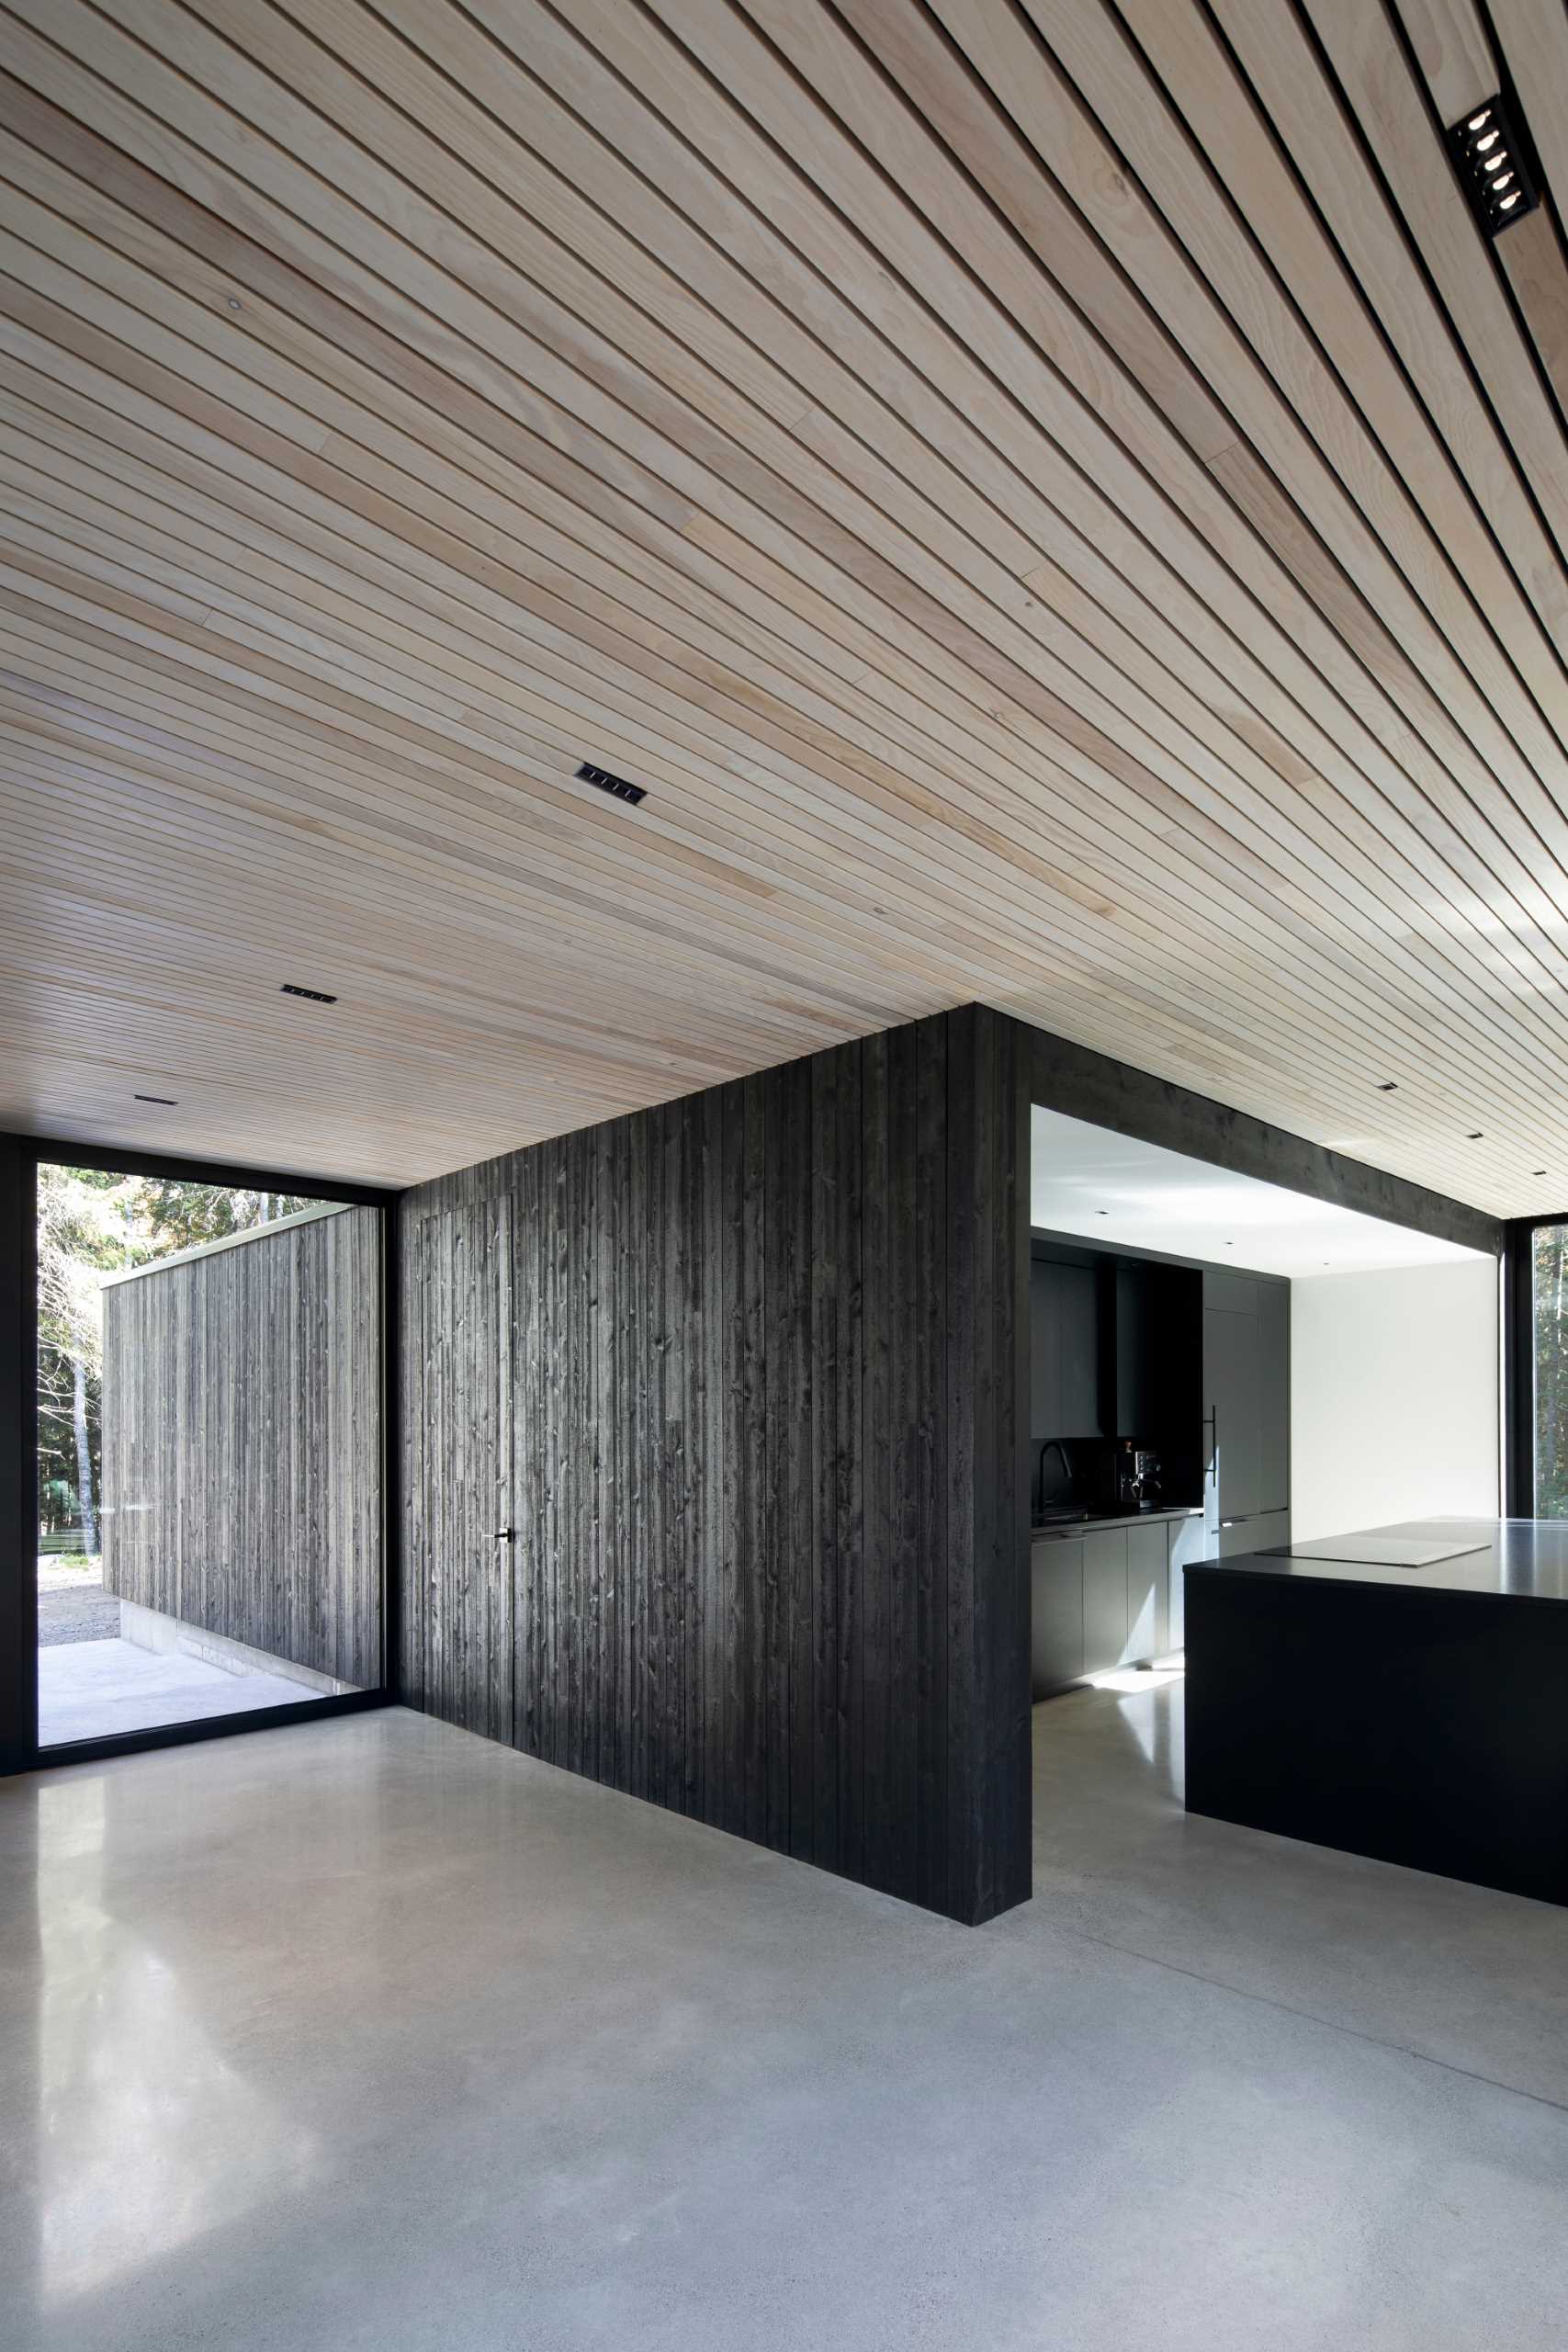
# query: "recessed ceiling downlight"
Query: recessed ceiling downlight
1488,154
615,786
311,996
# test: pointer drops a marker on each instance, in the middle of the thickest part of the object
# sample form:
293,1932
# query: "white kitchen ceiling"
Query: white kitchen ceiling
1111,1188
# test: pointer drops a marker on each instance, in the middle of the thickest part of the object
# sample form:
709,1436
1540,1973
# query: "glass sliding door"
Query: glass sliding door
1549,1370
210,1450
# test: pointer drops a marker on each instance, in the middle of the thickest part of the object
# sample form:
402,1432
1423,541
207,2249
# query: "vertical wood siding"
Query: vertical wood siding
241,1443
748,1367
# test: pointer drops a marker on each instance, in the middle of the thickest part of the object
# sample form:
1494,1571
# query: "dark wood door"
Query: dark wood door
462,1456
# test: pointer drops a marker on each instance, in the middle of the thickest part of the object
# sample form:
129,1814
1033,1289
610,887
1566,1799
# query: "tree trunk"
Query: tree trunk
83,1456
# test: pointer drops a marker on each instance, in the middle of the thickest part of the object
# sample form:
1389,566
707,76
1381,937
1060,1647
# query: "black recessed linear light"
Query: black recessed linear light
615,786
168,1100
1388,1086
311,996
1537,1171
1475,1136
1487,152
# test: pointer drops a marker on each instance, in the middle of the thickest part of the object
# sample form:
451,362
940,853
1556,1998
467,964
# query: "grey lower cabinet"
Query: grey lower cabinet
1056,1621
1148,1565
1099,1600
1189,1540
1260,1533
1104,1597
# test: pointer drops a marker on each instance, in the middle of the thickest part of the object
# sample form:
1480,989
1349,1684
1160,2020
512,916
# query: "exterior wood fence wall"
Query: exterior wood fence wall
242,1441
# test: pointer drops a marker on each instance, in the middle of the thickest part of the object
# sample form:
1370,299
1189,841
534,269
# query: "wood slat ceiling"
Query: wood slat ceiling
1058,503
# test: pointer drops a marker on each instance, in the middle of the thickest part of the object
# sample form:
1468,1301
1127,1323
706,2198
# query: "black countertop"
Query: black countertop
1101,1519
1525,1559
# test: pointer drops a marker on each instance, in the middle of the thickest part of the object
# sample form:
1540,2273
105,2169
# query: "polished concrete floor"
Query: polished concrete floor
364,2033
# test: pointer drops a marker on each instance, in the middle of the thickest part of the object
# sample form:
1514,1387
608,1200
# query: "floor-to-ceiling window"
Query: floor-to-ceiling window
1549,1368
210,1446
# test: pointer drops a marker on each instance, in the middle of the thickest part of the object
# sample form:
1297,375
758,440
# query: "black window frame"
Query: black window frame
1518,1360
21,1156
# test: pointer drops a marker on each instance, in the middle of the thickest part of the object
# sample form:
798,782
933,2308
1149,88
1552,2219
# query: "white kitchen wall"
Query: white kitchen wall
1394,1396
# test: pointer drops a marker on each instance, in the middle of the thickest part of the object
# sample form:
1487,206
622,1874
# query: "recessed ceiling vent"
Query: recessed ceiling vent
1488,154
311,996
615,786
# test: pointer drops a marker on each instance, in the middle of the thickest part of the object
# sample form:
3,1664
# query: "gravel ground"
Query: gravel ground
89,1615
73,1607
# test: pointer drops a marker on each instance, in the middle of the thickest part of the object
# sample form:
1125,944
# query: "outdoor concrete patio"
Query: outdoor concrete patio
89,1690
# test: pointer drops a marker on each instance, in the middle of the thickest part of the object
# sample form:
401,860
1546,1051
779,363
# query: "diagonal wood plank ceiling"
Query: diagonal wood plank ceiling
1056,503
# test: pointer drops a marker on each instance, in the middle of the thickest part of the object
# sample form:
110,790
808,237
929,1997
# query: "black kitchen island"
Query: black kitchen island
1398,1704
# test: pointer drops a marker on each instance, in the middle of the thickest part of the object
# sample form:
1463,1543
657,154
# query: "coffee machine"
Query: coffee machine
1138,1477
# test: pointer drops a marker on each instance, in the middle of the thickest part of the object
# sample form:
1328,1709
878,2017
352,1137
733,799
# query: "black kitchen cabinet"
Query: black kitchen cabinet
1066,1313
1233,1431
1247,1388
1273,1396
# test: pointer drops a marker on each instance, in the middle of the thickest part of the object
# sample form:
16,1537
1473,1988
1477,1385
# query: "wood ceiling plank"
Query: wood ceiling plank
312,805
1452,52
1454,55
1165,460
1379,83
723,58
1333,535
1017,68
1334,166
1337,280
1000,595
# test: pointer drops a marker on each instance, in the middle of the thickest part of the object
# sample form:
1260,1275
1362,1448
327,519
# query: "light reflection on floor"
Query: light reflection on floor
141,2116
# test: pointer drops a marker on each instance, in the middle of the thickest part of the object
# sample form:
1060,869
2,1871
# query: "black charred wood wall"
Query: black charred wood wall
241,1443
746,1374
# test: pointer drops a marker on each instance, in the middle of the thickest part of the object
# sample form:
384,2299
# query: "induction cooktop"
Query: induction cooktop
1374,1551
